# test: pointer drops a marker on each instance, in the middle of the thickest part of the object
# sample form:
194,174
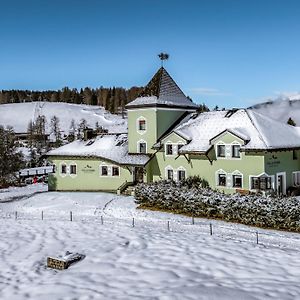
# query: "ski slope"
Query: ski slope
18,115
281,109
142,262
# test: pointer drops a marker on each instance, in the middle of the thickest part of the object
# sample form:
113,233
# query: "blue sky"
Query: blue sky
231,53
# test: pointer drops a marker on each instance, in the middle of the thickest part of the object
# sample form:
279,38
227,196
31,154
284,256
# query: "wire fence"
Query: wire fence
267,238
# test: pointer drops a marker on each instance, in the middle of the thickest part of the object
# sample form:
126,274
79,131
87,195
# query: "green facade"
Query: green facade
88,177
157,122
205,165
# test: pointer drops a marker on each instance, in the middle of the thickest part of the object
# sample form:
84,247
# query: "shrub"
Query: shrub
189,197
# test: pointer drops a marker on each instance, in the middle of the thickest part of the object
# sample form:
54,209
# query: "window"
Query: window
295,155
237,181
54,168
170,174
104,171
296,178
63,169
142,147
236,151
115,171
169,149
181,175
179,146
221,150
261,183
142,125
73,169
222,179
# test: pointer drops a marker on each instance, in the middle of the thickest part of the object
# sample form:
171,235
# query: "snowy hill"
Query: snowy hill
142,262
18,115
281,108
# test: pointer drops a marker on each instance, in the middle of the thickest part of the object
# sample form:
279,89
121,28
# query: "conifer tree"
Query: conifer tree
291,122
10,159
55,130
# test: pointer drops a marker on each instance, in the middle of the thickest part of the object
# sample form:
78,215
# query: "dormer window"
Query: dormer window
169,149
236,151
221,150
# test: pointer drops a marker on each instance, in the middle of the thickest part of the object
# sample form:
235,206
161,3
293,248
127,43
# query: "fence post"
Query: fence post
256,237
101,220
211,229
16,215
71,216
193,220
168,225
42,215
132,222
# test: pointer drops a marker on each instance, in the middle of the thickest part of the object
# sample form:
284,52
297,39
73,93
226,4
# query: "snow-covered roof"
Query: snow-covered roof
162,90
112,147
258,131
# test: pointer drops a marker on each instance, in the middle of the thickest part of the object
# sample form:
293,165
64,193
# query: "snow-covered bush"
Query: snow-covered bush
190,198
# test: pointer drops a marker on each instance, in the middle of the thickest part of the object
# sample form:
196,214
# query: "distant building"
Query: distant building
234,150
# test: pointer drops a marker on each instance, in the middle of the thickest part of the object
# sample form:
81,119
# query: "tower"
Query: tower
157,108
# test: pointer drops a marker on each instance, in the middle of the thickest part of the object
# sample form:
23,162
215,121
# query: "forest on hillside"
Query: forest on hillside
112,99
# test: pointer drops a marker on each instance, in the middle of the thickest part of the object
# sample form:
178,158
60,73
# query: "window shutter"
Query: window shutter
109,171
229,179
175,149
175,176
228,151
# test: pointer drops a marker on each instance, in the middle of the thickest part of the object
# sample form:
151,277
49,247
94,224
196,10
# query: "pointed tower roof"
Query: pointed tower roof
162,91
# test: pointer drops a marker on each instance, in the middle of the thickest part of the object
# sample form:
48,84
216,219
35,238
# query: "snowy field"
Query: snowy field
18,115
146,261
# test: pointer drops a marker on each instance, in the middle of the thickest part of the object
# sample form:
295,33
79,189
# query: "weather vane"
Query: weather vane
163,56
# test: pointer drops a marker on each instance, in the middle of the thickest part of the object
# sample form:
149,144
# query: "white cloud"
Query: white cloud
208,92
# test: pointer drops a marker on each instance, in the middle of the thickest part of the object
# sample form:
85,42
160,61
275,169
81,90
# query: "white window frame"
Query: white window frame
118,167
73,164
297,175
217,151
180,143
100,170
232,145
141,118
237,173
262,175
166,147
221,172
169,168
63,163
183,170
138,146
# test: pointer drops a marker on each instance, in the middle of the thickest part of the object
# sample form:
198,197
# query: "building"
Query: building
235,150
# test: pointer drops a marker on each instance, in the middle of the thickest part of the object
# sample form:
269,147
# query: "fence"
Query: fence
231,231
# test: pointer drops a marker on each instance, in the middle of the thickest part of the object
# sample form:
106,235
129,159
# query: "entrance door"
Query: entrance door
138,175
281,183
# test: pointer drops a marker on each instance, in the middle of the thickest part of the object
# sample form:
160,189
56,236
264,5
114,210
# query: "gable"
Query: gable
227,137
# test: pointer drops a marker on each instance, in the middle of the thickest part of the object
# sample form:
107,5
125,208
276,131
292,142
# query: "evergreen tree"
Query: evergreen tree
55,130
291,122
10,159
81,127
31,133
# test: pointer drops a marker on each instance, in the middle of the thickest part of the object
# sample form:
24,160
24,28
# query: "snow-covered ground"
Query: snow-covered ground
146,261
18,115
